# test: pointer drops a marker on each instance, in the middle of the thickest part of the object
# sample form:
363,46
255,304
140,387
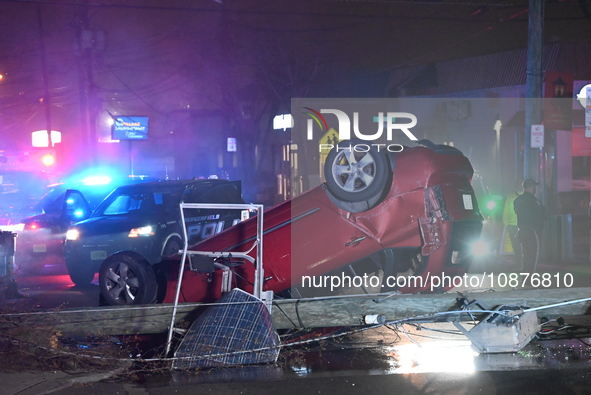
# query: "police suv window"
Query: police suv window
118,206
221,194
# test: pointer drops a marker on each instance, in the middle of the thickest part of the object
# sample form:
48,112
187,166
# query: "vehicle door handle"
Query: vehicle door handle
357,240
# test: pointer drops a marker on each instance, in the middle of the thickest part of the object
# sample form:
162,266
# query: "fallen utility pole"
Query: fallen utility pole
296,313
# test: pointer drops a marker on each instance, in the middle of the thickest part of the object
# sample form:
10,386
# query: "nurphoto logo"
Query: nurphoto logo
391,121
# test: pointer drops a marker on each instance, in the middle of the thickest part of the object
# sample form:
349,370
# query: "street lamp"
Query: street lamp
559,87
497,129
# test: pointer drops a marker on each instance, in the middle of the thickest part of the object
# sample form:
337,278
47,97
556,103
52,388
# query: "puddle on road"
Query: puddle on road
383,352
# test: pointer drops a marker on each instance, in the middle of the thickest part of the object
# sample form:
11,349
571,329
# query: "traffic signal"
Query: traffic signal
493,206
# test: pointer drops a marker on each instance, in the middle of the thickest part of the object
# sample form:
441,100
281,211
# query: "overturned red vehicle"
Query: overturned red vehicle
407,217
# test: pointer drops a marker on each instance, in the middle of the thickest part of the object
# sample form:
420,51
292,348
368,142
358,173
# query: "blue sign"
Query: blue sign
130,128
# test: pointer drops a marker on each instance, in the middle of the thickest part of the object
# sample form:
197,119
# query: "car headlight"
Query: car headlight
480,248
72,234
143,231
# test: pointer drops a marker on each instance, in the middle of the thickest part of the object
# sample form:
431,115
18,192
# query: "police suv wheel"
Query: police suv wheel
125,280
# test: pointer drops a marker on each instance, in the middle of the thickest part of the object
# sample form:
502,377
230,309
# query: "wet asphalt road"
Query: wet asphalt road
517,382
51,287
432,359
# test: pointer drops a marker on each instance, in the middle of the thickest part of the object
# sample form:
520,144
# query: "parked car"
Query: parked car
20,192
142,223
413,213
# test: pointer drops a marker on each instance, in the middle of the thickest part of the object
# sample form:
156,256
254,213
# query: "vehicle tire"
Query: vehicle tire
126,280
171,248
80,275
353,176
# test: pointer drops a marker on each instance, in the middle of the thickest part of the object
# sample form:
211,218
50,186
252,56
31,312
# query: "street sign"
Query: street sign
583,95
537,136
129,128
329,140
326,143
231,144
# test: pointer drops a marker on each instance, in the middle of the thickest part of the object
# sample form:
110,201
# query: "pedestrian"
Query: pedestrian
510,223
531,215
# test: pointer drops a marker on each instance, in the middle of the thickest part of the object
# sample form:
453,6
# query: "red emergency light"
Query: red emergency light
48,160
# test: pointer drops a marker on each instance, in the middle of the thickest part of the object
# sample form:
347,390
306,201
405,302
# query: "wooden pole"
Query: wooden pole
293,313
533,87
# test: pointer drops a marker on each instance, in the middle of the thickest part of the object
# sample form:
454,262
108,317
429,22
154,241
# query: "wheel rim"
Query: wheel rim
354,171
122,283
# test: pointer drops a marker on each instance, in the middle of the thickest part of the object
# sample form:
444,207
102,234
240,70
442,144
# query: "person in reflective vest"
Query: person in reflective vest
510,223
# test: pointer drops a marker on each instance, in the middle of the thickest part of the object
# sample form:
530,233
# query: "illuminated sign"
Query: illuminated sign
130,128
231,145
283,121
40,138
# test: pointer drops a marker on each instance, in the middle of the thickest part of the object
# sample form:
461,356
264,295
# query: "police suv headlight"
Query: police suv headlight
143,231
72,234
